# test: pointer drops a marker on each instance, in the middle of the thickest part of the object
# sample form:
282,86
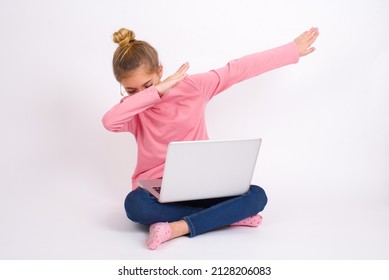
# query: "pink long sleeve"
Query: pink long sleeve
118,118
244,68
179,115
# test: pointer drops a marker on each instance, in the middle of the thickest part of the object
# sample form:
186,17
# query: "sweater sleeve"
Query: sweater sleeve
118,118
216,81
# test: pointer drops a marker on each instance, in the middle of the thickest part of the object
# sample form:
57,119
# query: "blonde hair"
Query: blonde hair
131,54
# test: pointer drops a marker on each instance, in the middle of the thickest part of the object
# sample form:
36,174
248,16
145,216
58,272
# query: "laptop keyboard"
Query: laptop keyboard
157,189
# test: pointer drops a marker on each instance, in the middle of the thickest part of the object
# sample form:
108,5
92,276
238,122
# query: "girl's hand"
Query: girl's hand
165,86
305,40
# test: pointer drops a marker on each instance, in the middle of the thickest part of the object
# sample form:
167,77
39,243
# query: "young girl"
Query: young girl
158,112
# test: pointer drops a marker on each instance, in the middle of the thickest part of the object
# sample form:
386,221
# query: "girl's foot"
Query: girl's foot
252,221
162,232
159,233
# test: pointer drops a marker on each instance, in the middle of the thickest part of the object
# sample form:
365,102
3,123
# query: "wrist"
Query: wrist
160,89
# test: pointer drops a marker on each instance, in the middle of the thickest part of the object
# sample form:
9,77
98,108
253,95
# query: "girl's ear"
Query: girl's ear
160,71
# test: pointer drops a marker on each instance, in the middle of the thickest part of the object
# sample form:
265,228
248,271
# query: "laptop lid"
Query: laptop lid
208,169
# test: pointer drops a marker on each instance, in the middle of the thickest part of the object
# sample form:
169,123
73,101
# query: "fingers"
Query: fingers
165,86
184,67
308,51
314,36
313,33
307,34
181,72
305,40
312,30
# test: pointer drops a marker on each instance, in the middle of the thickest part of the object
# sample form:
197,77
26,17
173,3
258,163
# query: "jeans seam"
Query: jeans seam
191,227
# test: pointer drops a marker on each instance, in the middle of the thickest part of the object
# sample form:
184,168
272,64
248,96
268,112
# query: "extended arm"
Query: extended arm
266,61
249,66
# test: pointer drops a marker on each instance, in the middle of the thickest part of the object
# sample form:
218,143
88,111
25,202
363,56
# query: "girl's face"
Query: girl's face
140,79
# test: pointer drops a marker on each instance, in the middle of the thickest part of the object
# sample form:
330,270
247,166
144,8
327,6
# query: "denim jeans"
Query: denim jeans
200,215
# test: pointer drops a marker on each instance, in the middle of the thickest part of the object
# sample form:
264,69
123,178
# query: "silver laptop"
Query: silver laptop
205,169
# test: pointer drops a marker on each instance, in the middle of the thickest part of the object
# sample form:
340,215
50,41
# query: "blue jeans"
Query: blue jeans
200,215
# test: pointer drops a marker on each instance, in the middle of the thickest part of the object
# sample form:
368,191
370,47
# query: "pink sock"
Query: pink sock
252,221
159,233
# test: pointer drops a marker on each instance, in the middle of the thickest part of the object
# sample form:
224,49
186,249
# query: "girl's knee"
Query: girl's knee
134,204
258,196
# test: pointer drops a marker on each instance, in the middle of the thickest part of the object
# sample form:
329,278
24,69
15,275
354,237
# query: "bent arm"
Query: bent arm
118,117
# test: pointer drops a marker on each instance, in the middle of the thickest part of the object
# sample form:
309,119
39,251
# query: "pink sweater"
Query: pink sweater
179,115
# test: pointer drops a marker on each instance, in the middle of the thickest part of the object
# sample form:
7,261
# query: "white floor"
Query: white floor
71,221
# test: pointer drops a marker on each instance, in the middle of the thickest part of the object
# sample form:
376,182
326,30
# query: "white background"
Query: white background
324,123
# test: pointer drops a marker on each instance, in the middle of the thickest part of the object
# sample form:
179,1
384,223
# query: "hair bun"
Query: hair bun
123,37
